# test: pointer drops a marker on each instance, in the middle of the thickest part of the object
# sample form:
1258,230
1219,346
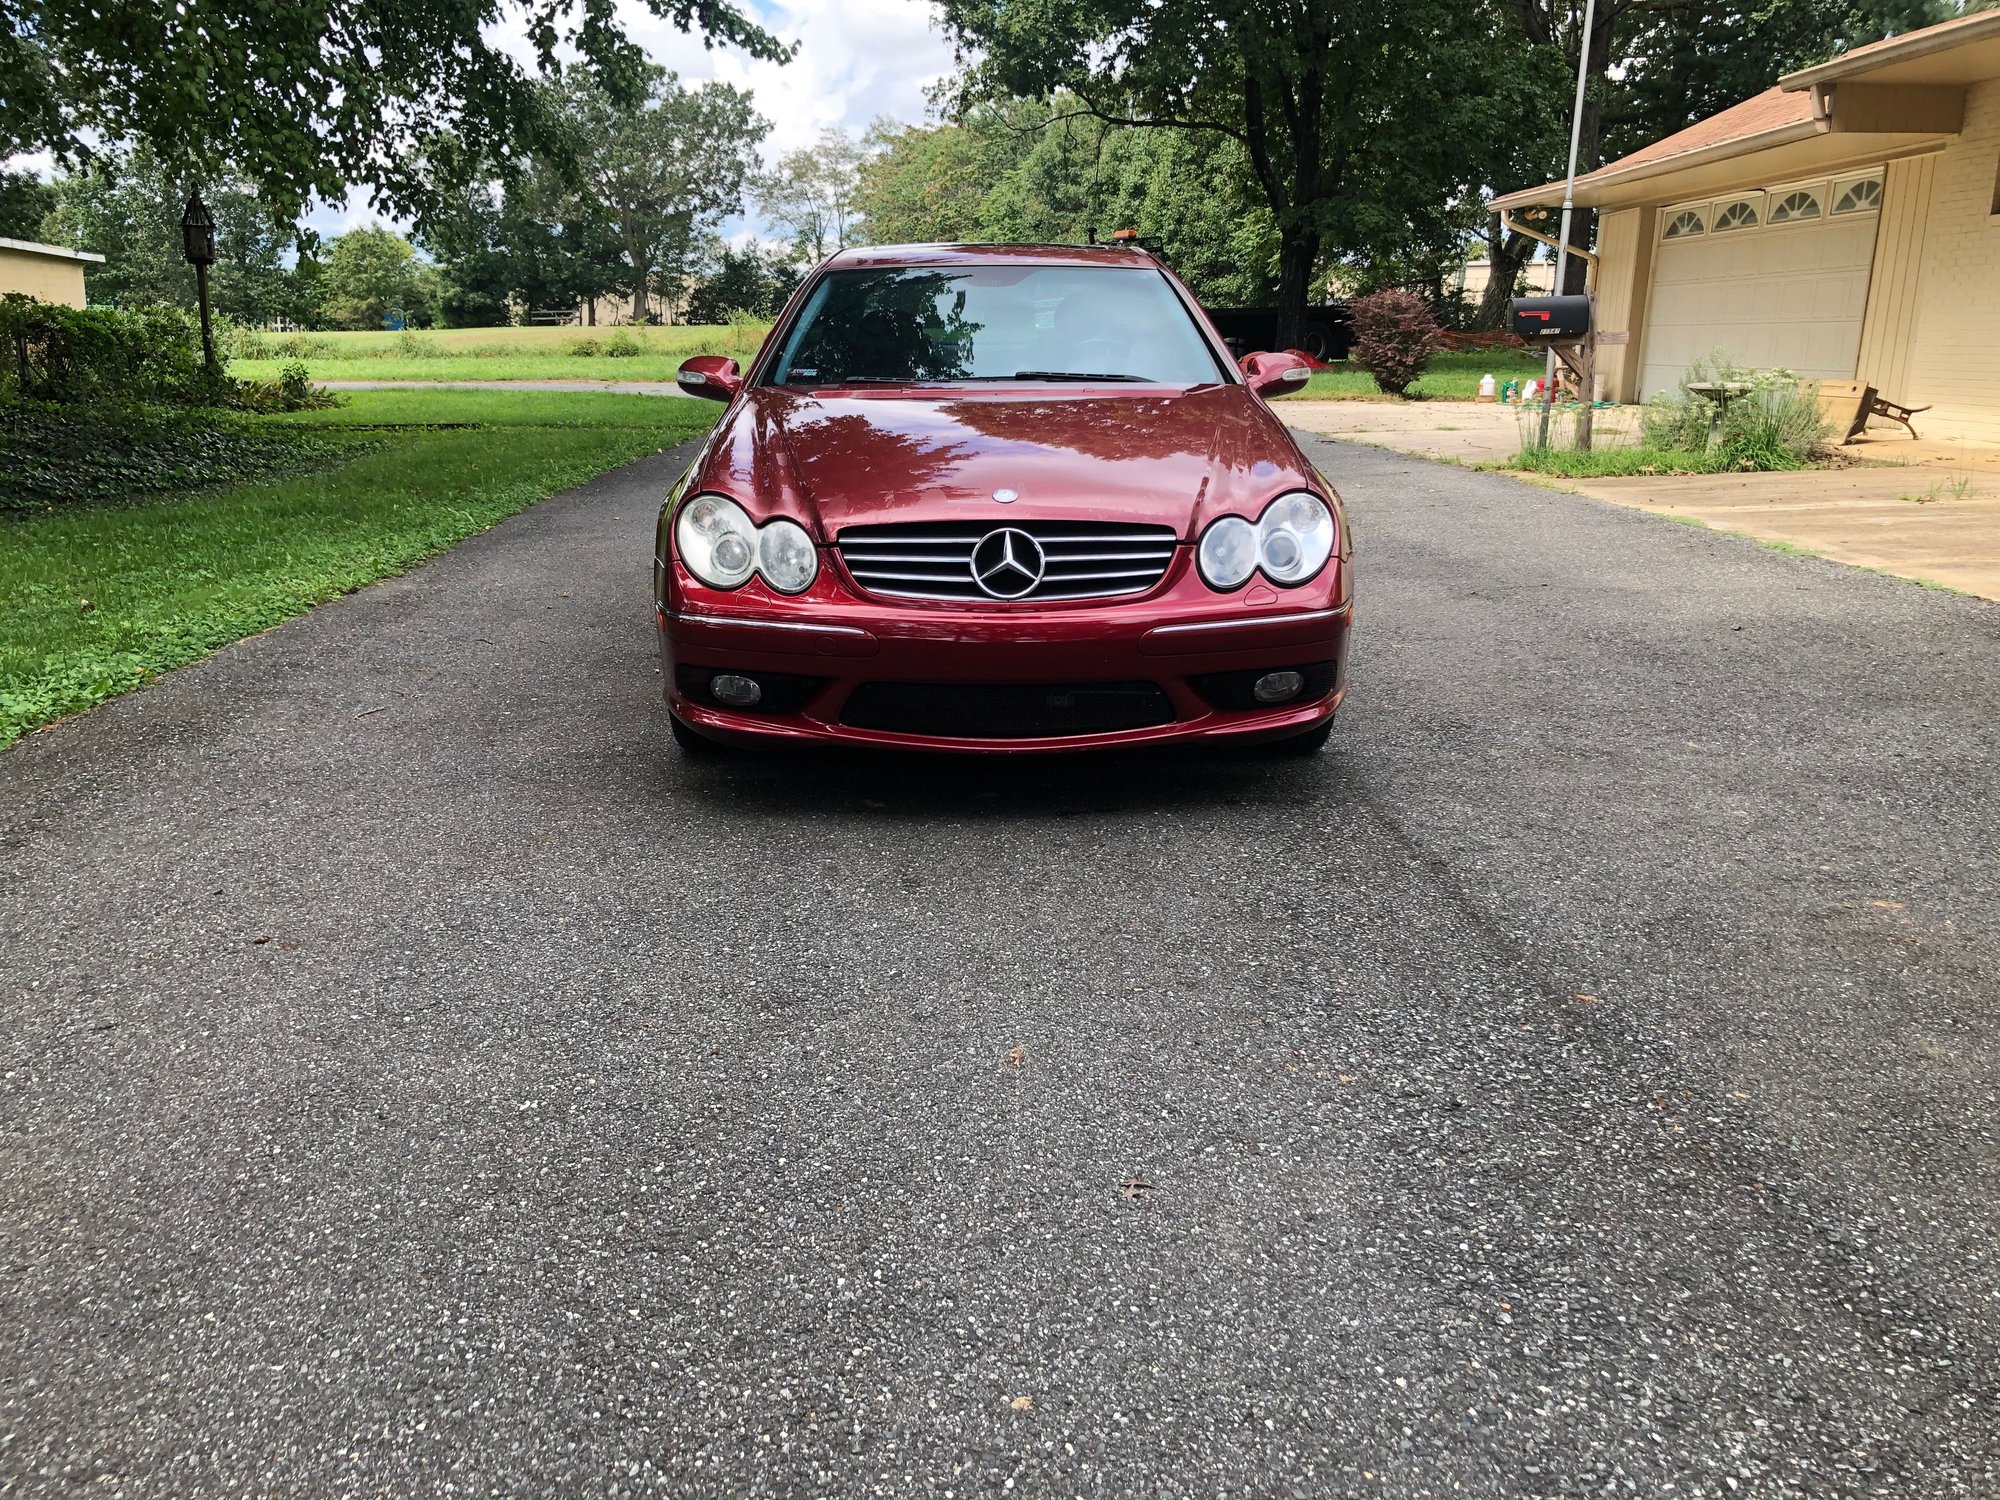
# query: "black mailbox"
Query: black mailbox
1551,317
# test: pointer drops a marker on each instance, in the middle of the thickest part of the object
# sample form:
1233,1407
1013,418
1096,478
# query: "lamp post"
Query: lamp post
198,246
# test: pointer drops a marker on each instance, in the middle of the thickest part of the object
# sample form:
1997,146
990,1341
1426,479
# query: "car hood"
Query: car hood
1158,454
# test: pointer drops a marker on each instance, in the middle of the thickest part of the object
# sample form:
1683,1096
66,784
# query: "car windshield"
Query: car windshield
953,324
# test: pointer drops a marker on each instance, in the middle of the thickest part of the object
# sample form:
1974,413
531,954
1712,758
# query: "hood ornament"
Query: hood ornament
1006,497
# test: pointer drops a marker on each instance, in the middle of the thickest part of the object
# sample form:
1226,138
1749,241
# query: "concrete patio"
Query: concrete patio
1926,509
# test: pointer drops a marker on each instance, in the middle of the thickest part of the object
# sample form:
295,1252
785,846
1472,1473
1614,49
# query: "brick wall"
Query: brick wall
1954,362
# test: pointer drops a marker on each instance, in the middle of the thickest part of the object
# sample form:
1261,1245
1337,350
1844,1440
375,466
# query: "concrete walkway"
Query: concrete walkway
1926,510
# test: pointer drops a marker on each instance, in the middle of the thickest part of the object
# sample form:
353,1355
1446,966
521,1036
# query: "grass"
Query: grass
1613,462
96,600
1450,377
565,353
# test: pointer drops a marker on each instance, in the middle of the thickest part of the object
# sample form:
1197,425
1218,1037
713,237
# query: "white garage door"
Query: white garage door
1776,279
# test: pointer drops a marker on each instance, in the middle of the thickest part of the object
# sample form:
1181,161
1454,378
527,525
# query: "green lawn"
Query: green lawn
96,600
1450,377
493,353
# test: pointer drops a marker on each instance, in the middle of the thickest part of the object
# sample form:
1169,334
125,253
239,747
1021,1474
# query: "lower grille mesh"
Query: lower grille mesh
1006,711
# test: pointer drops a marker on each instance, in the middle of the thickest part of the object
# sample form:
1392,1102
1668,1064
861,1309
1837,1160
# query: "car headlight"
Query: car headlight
1291,542
716,541
1294,537
1227,555
786,557
720,544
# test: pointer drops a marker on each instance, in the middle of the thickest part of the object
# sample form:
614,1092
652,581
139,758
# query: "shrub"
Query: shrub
583,348
49,352
1777,424
621,345
411,345
1395,336
293,390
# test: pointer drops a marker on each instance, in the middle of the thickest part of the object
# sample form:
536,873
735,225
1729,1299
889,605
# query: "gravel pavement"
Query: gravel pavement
1579,1080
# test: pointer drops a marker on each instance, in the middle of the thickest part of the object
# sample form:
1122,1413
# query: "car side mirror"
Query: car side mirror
1272,375
715,376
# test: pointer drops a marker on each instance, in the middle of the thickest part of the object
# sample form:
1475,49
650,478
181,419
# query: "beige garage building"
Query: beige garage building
1844,224
51,273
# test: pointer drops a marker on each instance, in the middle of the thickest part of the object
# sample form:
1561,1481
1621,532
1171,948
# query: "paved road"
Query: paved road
1580,1080
612,387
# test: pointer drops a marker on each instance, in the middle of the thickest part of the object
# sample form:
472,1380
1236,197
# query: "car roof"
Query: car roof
988,255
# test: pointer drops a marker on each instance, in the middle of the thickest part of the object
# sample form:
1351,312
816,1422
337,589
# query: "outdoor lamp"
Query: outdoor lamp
198,232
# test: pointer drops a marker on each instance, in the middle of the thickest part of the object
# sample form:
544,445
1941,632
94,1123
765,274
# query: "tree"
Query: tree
660,172
304,97
127,207
1361,121
371,275
813,194
509,239
746,280
1032,170
25,200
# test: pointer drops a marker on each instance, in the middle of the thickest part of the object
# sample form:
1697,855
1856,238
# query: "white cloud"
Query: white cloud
857,59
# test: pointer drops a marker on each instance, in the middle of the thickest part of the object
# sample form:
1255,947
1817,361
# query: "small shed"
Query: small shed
52,273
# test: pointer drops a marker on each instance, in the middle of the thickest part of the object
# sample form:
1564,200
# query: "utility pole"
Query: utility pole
1569,206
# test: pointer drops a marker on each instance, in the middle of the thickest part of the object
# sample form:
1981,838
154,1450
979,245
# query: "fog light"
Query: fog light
1272,687
743,692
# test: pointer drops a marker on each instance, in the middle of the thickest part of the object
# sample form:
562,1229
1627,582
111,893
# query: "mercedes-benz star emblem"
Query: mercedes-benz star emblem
1007,563
1006,497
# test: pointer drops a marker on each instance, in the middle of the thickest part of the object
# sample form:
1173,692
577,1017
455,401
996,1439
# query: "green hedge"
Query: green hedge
49,352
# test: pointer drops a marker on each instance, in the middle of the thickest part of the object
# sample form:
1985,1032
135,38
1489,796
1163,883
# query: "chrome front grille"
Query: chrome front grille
943,559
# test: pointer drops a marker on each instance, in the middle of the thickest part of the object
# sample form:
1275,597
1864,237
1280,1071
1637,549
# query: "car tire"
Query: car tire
1299,746
691,740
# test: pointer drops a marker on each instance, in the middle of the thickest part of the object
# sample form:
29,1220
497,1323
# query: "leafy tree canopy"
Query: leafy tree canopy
25,200
811,195
305,97
127,207
369,277
1030,170
1365,124
660,171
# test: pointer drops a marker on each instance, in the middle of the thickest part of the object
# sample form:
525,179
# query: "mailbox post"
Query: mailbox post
1567,328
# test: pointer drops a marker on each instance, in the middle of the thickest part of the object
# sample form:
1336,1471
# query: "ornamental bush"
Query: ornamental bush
50,352
1395,335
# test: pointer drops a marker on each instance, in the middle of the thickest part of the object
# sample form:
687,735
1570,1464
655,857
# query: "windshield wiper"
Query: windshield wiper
1078,375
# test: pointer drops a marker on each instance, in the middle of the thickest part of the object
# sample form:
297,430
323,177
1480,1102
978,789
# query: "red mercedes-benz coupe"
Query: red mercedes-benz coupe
1000,498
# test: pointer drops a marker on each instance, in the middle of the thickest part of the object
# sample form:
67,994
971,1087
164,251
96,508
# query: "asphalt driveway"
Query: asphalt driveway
1579,1080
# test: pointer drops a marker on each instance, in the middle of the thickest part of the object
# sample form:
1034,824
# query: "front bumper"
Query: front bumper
827,644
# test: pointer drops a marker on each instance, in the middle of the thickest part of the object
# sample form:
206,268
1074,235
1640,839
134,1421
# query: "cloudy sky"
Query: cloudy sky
857,59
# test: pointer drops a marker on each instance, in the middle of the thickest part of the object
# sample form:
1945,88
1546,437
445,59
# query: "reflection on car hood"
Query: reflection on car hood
1149,454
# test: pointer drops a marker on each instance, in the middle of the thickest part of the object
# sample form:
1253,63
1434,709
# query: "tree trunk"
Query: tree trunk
1506,254
641,312
1298,253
